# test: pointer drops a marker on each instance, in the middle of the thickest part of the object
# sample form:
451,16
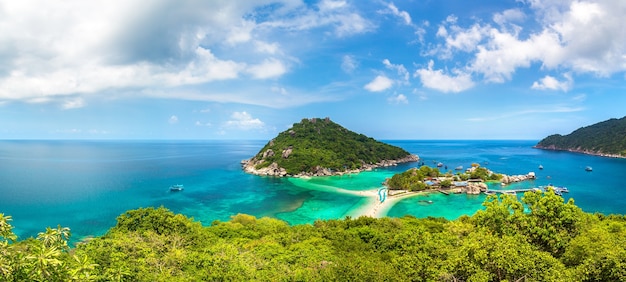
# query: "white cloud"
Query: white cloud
244,121
264,47
436,79
380,83
173,120
279,90
269,68
398,99
54,49
551,83
400,69
579,36
401,14
349,63
74,103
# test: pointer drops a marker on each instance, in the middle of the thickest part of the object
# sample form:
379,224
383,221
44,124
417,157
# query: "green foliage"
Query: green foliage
411,180
607,137
320,143
551,240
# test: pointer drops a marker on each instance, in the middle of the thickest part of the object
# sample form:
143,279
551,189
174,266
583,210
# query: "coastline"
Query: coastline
249,166
591,153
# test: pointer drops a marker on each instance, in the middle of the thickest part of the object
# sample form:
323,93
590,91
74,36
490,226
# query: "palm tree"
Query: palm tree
82,269
55,237
6,229
44,261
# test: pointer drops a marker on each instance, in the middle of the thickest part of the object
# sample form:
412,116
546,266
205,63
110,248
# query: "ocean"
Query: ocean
85,185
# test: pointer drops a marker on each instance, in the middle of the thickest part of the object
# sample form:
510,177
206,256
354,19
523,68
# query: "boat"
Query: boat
540,167
439,164
177,187
588,168
459,167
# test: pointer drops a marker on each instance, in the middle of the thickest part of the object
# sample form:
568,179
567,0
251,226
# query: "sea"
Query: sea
86,185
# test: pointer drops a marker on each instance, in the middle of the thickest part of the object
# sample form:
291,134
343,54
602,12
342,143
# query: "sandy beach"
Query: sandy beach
376,209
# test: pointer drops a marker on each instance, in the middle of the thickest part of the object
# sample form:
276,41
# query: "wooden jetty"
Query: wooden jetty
557,190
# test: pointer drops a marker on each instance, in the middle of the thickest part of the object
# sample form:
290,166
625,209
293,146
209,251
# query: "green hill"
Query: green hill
321,147
607,138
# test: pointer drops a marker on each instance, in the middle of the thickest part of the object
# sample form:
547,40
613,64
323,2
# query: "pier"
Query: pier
557,190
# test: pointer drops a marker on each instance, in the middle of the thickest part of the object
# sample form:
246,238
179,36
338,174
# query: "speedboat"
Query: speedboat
588,168
177,187
540,167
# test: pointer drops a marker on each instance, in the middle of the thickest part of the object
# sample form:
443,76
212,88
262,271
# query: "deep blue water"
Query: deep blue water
85,185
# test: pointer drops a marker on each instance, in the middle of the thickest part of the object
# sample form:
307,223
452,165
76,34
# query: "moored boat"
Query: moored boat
177,187
589,168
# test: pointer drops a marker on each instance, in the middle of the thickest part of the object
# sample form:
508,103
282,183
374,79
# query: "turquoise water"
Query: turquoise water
85,185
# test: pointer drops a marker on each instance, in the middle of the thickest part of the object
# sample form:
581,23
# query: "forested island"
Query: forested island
321,147
607,138
552,240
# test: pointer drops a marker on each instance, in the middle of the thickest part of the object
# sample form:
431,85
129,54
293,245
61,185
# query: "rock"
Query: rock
268,153
287,152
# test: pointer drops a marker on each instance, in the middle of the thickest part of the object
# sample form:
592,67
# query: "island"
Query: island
607,139
321,147
472,181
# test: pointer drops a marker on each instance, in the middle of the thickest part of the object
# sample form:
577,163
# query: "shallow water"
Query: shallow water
85,185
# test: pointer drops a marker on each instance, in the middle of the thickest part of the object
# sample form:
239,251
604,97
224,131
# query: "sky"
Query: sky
222,69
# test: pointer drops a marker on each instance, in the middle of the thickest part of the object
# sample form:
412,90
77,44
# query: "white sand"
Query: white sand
374,208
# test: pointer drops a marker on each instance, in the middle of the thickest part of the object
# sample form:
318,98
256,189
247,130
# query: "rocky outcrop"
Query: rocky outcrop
507,179
474,188
271,170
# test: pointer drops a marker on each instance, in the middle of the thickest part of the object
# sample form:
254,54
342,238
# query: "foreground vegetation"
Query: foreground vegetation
320,143
604,138
554,241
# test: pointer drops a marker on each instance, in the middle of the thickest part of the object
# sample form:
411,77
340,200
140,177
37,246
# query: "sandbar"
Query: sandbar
377,209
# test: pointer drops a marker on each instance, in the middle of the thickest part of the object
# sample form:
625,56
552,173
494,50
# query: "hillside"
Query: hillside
607,138
316,147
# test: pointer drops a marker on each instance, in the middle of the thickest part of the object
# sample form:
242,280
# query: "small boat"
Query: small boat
439,164
177,187
459,167
540,167
589,168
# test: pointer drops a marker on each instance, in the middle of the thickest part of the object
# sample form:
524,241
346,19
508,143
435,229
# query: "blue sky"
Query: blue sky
445,69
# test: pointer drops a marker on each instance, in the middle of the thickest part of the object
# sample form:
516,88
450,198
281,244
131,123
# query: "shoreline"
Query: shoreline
590,153
375,209
249,166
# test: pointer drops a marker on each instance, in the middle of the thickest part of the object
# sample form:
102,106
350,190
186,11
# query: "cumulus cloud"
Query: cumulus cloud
404,15
551,83
400,69
579,36
398,99
438,80
52,49
244,121
269,68
380,83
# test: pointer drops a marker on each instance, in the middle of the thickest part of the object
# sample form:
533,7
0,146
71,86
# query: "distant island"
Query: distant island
607,139
321,147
